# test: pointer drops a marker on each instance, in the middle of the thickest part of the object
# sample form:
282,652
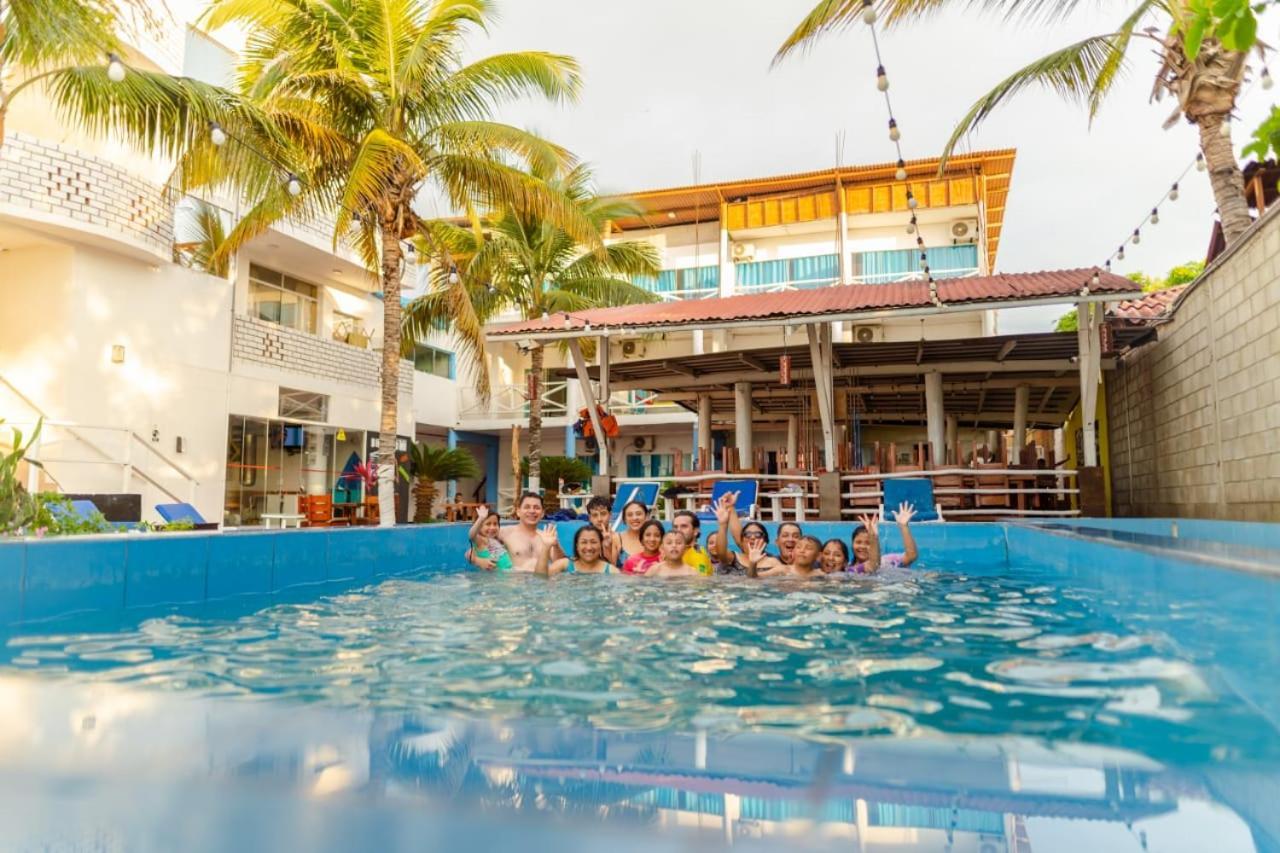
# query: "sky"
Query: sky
665,79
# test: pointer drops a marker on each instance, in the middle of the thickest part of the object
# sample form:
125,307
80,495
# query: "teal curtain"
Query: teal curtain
817,268
663,282
635,466
895,264
700,278
952,261
762,272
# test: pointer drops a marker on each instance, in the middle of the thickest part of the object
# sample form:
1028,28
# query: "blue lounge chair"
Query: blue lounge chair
748,494
184,512
917,491
645,492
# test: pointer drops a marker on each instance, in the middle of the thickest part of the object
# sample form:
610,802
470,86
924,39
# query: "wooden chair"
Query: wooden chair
992,481
319,510
869,502
949,481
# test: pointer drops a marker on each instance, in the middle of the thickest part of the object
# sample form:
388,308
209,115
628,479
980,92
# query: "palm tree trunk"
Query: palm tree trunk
535,419
1225,177
390,371
425,499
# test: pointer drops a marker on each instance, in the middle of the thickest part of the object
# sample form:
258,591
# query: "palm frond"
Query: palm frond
606,291
200,234
487,137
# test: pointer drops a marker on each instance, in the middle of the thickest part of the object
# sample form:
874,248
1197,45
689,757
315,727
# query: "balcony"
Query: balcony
64,188
258,342
509,403
675,285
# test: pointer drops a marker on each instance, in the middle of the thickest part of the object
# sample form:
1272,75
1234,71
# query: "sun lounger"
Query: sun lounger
917,491
184,512
748,494
645,492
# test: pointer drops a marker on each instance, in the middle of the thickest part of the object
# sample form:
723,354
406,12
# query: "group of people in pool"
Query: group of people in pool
645,548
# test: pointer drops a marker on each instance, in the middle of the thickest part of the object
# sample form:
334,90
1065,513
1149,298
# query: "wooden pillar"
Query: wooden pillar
842,235
726,258
934,416
820,354
589,399
705,462
793,441
1090,367
953,442
1021,399
742,422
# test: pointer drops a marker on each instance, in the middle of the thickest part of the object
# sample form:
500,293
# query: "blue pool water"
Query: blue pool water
1045,704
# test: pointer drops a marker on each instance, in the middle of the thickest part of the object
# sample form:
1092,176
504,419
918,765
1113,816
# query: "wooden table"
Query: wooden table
466,509
348,511
286,519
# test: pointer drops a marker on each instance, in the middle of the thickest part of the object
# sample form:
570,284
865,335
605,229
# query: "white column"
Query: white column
698,345
1021,399
726,258
704,432
820,354
1089,363
935,417
742,422
953,433
842,236
793,441
589,400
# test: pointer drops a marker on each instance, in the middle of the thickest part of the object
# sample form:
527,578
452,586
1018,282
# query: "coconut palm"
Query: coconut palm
369,104
523,262
435,464
1204,80
201,233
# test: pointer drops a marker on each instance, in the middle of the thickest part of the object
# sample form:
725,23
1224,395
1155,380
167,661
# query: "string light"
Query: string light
115,68
1173,192
882,80
454,278
1119,255
894,133
1266,81
868,11
1200,166
1155,216
294,186
1224,129
901,173
1137,238
217,135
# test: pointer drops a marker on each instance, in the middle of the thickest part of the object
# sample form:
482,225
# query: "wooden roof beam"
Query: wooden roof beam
1006,349
677,367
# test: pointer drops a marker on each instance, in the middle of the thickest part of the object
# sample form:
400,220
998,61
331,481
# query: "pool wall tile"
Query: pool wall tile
300,558
13,560
73,574
165,569
240,564
357,554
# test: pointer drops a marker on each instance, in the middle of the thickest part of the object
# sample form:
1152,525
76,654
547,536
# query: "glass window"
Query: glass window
651,465
427,359
282,299
303,405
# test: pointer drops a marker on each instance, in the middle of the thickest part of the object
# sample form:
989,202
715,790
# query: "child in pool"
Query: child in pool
650,552
867,559
835,556
672,564
804,560
588,553
634,515
488,552
598,513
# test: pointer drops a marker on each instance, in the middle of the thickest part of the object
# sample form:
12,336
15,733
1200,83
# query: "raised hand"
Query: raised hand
482,512
725,507
755,551
547,536
905,513
872,523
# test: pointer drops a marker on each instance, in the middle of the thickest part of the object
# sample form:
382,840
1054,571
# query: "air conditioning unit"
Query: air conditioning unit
633,348
865,334
964,231
644,443
743,252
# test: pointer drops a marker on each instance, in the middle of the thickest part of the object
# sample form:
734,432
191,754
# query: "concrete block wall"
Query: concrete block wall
62,183
1194,417
258,341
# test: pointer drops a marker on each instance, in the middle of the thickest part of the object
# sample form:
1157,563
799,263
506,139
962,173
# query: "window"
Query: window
428,359
812,271
692,282
303,405
283,299
651,465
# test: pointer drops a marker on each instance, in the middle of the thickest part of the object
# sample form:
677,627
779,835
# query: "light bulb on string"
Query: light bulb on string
217,135
1108,266
1137,237
868,12
920,242
894,133
1266,80
1173,192
911,200
911,226
1224,129
1094,281
294,186
1155,216
901,173
453,276
882,79
115,68
1120,254
1200,166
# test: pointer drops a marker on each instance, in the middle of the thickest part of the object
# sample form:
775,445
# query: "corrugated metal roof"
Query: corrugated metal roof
830,300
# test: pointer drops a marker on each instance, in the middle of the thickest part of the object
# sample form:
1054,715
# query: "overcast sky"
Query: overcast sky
666,78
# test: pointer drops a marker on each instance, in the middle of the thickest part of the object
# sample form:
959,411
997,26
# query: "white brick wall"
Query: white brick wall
1194,417
51,179
260,342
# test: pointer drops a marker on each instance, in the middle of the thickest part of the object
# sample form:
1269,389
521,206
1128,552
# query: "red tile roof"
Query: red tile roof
1152,306
853,299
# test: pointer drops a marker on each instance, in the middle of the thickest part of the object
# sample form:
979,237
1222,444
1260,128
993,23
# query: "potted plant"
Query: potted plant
557,470
432,464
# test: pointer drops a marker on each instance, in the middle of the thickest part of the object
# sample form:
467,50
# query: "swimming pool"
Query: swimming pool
1043,688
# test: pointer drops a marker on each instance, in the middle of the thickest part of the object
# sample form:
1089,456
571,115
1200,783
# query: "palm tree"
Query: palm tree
201,234
526,263
1205,82
431,465
369,104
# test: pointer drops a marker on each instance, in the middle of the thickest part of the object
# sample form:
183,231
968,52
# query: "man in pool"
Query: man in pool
521,539
686,523
789,534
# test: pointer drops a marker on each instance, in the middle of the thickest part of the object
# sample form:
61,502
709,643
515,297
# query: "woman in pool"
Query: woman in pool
650,551
634,516
729,562
672,564
835,556
488,552
598,513
867,559
588,553
805,555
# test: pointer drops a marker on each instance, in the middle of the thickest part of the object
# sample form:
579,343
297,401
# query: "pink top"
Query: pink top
638,564
887,561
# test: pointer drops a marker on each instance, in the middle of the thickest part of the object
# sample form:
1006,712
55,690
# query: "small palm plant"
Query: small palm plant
556,470
431,465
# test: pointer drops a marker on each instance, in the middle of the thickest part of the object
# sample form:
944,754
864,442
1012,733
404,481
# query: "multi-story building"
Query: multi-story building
836,227
159,380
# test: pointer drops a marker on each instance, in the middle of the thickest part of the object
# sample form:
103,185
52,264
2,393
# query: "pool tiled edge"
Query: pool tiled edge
45,579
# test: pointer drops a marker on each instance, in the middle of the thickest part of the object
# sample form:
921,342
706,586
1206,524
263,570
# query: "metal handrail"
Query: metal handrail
949,472
915,275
